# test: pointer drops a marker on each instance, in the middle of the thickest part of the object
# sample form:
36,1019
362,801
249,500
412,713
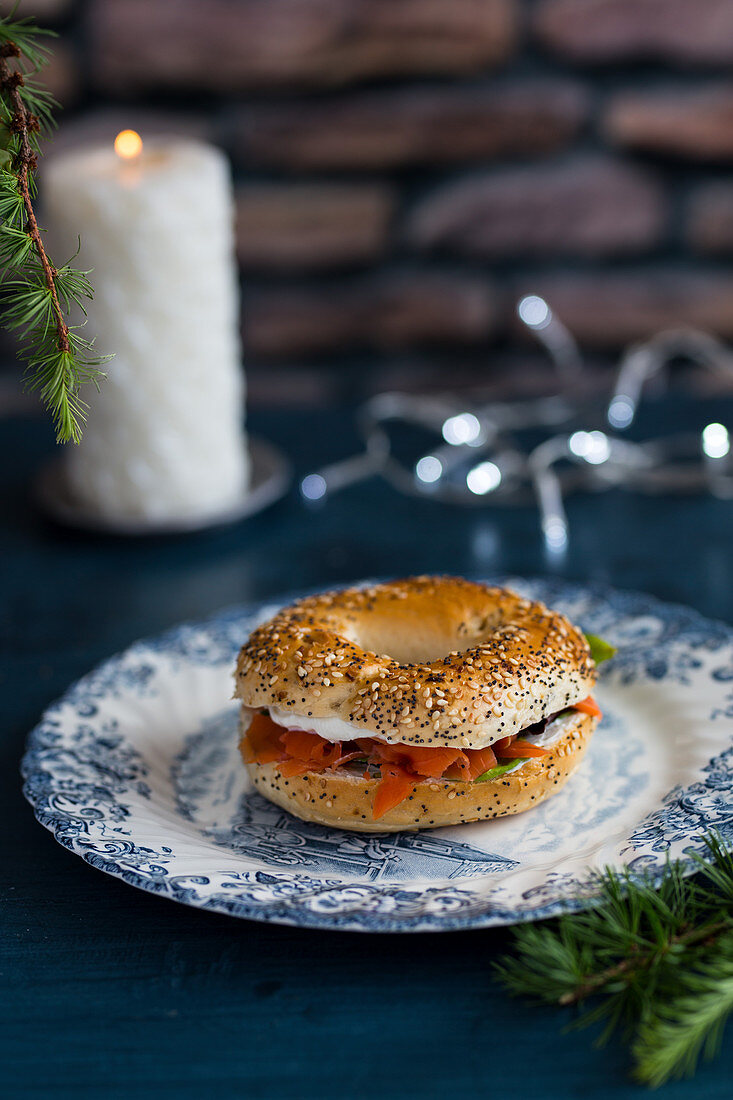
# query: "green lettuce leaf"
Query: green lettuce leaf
500,769
599,650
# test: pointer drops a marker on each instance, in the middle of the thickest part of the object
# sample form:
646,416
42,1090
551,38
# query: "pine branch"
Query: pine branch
638,962
655,964
36,295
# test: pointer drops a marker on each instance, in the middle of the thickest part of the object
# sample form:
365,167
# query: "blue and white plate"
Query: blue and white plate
136,770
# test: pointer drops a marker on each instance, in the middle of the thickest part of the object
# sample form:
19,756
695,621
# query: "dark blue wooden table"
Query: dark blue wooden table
108,992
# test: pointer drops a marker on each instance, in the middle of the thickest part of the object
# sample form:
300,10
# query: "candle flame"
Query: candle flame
128,144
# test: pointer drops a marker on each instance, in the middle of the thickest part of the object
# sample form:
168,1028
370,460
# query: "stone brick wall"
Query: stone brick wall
406,168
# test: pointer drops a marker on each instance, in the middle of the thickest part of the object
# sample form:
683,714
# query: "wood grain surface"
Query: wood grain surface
106,992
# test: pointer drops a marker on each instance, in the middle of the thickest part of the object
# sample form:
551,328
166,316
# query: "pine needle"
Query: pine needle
671,1042
652,963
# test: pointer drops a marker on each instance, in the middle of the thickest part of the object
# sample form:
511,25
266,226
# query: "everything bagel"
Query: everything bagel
426,681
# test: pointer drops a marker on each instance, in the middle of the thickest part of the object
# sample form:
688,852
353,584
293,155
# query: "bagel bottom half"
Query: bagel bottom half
340,798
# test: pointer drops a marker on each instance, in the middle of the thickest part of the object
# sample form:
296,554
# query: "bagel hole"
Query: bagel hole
415,640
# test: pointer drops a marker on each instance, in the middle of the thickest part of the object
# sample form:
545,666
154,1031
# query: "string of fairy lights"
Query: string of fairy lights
480,456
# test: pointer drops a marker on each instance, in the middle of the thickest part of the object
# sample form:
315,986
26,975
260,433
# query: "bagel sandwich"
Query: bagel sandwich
414,704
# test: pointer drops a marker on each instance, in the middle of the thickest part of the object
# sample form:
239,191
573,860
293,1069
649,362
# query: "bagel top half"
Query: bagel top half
424,661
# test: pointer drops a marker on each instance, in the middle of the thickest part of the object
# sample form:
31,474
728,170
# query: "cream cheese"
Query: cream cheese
330,729
336,729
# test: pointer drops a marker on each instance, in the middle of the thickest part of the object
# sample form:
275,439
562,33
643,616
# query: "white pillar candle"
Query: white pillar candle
164,437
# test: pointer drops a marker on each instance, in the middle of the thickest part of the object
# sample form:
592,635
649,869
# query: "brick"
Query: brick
62,76
695,124
710,227
414,125
291,226
681,31
513,374
388,311
612,310
228,45
589,207
42,10
292,386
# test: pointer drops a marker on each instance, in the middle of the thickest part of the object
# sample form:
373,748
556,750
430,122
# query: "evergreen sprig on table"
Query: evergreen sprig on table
36,296
654,962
